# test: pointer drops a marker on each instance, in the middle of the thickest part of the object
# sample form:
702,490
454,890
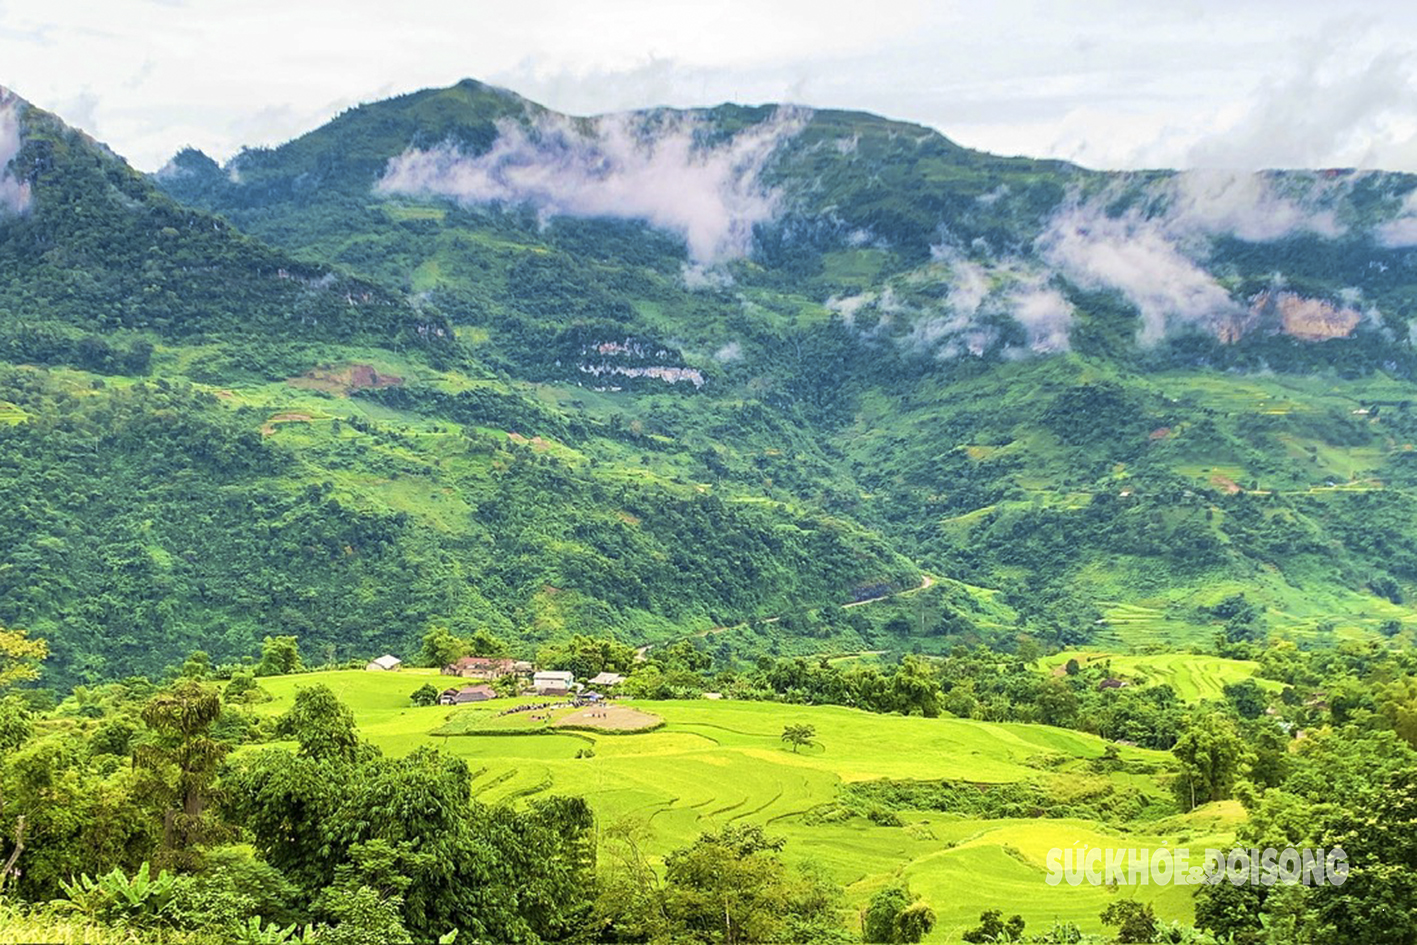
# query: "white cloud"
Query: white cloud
732,351
698,277
1248,206
655,168
1046,316
1343,101
14,194
1151,253
1136,257
1401,231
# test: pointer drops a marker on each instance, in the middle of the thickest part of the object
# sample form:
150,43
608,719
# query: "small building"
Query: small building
550,682
466,694
607,680
385,663
479,667
524,669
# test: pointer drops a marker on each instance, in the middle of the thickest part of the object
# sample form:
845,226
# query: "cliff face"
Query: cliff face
1308,319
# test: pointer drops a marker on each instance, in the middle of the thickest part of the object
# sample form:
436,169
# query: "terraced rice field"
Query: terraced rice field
1194,677
715,763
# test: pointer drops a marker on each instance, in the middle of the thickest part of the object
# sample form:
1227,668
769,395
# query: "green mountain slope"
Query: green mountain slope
650,373
1031,376
206,440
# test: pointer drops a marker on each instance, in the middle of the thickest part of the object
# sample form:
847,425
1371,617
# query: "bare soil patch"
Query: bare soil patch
615,718
345,380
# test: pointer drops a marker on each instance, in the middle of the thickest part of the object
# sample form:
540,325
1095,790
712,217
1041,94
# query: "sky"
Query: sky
1188,83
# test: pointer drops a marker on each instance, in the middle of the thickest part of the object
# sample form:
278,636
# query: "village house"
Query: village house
607,680
384,663
466,694
480,667
553,682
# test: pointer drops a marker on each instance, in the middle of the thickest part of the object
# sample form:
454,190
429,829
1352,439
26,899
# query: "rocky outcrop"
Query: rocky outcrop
1304,318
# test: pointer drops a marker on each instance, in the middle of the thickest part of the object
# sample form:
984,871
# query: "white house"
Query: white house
384,663
550,682
607,680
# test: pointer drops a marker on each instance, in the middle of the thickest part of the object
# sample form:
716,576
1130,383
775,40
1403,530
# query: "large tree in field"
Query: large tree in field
799,735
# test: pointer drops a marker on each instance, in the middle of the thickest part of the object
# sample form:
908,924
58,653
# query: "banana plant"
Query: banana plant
114,897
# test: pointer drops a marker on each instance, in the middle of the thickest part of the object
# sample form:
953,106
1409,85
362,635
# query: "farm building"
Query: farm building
384,663
479,667
553,682
607,680
465,695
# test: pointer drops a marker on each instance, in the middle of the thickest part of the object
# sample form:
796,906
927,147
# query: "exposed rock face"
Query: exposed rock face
1304,318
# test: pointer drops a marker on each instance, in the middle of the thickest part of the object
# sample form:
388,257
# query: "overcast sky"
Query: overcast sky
1243,83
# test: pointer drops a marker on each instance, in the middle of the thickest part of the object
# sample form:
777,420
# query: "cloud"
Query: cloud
732,351
1249,205
1401,231
1046,316
659,167
1135,256
14,193
698,277
1343,103
1152,252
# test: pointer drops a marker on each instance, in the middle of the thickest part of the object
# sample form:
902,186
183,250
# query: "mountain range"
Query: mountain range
455,358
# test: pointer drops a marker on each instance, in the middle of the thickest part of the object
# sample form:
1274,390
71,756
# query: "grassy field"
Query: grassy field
714,763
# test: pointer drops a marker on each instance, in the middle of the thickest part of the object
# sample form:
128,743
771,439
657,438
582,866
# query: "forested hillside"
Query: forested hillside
1092,391
481,364
198,453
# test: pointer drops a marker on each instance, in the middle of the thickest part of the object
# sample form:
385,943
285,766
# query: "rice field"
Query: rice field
719,762
1195,677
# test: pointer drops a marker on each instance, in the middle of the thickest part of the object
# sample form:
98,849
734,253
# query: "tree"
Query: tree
895,915
1212,754
244,688
915,687
323,725
179,763
198,665
280,656
1233,913
19,657
1247,697
993,927
732,887
799,735
440,647
425,695
1135,922
1377,903
484,642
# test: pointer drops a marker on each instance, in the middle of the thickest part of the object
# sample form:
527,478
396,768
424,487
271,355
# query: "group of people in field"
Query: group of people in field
598,706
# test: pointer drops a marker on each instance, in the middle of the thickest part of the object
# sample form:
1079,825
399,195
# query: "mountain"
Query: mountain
1119,398
207,439
456,358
